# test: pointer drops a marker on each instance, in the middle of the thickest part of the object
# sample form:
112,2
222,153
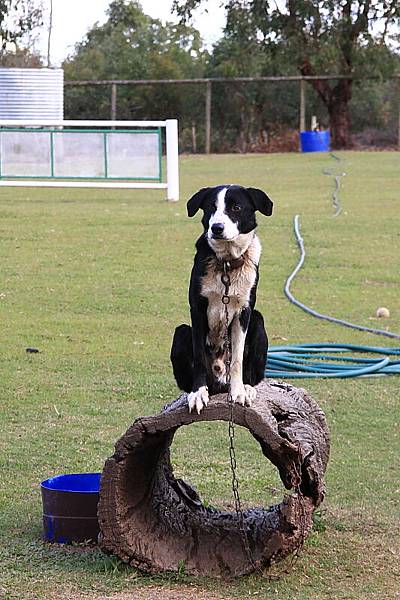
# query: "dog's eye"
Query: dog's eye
236,208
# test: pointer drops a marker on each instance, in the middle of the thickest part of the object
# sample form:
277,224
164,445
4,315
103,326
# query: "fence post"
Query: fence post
171,130
194,138
113,101
208,117
302,105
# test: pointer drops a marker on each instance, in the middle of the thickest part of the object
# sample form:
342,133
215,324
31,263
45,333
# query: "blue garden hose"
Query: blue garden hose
305,361
315,360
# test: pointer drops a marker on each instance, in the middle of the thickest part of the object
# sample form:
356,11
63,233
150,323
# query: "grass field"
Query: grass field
97,281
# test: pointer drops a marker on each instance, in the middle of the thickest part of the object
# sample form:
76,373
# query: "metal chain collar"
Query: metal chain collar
226,280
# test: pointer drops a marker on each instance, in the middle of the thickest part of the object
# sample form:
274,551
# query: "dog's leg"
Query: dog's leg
198,397
255,350
182,357
244,394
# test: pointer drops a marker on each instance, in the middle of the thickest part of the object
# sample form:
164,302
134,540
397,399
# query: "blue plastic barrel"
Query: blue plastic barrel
315,141
70,507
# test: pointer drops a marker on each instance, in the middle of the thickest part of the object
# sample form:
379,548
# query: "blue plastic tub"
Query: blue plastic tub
70,507
315,141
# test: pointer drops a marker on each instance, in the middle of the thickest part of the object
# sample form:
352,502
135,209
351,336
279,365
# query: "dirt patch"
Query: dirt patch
186,592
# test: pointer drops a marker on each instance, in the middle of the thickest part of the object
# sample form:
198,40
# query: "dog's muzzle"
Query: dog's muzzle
217,230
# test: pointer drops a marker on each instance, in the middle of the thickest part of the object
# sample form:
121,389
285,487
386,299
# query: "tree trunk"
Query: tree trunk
336,100
156,522
339,114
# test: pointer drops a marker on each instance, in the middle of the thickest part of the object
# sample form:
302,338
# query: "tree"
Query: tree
132,45
18,19
249,116
342,37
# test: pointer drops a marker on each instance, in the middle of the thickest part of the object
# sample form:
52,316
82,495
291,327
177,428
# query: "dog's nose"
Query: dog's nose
217,228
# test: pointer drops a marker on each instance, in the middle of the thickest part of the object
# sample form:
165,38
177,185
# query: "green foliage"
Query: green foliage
245,115
333,37
259,40
324,37
132,45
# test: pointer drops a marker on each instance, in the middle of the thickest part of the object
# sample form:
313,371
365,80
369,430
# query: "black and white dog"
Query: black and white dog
229,241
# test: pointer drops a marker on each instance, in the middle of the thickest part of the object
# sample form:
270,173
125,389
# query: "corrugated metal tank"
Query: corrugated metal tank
31,94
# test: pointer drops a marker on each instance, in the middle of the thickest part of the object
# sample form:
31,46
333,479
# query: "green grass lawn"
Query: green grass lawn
97,281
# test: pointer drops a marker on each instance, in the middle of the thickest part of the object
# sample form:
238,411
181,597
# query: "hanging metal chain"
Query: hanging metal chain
226,280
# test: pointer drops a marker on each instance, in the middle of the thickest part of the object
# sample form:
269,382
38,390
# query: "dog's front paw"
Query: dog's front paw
243,394
251,394
198,399
238,393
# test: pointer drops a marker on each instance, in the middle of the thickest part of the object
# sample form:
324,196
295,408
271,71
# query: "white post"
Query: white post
172,160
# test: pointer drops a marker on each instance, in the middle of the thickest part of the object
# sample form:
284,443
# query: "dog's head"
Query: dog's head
229,210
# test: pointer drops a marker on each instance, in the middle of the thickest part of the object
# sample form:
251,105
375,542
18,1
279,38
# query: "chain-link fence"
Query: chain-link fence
242,114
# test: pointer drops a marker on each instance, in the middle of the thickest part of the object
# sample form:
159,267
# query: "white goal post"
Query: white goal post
92,154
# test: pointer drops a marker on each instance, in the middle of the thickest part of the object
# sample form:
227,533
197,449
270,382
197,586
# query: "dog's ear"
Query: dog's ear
261,201
196,201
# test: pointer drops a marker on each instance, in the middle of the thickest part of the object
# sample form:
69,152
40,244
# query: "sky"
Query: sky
73,18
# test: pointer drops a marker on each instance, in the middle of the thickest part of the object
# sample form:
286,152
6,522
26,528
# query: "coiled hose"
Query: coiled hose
306,361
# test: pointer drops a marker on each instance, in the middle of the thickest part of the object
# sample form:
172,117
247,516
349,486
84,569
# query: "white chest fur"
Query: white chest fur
242,281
